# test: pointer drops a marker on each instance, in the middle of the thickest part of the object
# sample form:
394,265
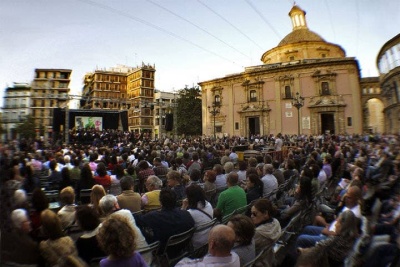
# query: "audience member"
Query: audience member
102,178
97,193
174,183
200,210
57,243
17,246
87,244
151,199
268,230
220,243
129,199
67,212
169,221
118,240
232,198
244,243
254,187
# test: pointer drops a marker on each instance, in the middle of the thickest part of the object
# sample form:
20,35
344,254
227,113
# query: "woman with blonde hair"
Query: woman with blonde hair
97,193
117,239
57,244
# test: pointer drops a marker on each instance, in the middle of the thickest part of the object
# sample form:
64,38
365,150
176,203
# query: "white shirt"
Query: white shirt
211,261
220,181
200,218
357,212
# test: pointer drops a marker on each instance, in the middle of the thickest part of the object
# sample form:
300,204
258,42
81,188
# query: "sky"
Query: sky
188,41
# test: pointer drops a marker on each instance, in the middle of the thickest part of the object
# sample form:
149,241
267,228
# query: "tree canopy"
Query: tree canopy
189,111
26,128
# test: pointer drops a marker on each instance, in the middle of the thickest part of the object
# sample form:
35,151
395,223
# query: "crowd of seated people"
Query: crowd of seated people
166,187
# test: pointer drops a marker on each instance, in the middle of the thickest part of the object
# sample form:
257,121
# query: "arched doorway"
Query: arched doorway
375,117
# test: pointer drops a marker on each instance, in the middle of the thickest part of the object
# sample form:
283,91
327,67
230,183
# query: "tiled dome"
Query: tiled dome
301,35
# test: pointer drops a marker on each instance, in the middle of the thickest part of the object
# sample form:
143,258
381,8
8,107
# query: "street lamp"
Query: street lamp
214,111
298,102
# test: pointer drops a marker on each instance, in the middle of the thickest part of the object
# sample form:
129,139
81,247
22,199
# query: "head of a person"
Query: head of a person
130,170
153,183
127,183
108,203
232,179
67,195
268,169
305,188
221,240
86,172
210,176
53,164
195,156
143,165
20,220
76,162
290,165
173,178
312,258
101,169
242,165
252,162
262,211
39,200
19,197
228,167
267,159
87,218
167,199
218,169
67,159
97,193
252,180
195,195
119,171
352,196
347,224
195,175
51,224
157,161
243,227
276,164
116,237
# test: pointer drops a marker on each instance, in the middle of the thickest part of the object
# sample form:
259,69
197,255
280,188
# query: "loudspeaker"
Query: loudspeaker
169,122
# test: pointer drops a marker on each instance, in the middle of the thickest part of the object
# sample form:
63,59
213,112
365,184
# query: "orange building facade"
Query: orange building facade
260,99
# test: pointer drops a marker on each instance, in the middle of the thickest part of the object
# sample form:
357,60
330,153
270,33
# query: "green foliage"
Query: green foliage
189,111
26,128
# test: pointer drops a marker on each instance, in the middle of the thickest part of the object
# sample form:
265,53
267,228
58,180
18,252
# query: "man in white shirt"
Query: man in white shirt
278,142
314,234
269,180
220,243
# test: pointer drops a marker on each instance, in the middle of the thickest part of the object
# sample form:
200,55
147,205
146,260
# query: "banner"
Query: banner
89,122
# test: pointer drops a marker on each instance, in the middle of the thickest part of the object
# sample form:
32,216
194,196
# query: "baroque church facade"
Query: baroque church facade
259,100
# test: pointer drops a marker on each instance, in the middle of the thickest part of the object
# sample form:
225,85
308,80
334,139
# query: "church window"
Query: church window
253,96
325,88
288,92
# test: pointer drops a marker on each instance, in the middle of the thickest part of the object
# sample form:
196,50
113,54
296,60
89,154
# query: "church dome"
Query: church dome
301,35
301,43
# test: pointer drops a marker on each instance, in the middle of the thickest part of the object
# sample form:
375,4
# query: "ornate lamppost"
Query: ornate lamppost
298,102
214,110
